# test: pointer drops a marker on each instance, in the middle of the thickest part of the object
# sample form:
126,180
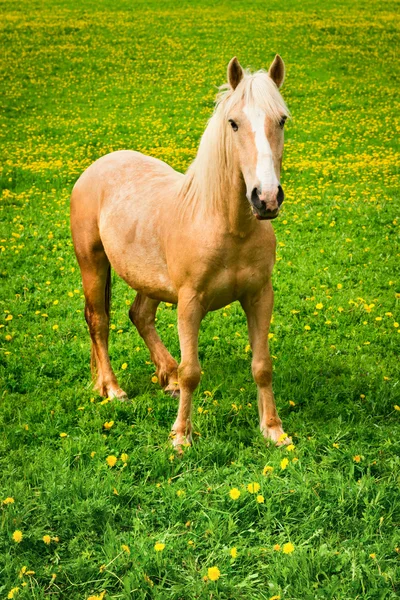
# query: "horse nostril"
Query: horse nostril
255,198
280,197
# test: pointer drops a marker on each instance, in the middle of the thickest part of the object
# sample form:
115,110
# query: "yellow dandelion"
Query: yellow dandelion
154,379
159,547
213,573
373,555
233,552
234,493
267,470
396,407
292,403
126,548
124,457
277,547
108,424
253,488
8,500
46,539
288,548
17,536
290,448
260,499
111,460
63,435
124,366
307,327
357,458
13,592
284,463
319,306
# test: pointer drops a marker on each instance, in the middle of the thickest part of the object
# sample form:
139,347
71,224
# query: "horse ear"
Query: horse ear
235,73
277,71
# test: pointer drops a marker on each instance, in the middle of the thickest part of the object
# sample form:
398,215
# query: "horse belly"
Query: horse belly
140,262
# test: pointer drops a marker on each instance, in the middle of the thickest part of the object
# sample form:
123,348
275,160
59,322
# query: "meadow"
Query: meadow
94,503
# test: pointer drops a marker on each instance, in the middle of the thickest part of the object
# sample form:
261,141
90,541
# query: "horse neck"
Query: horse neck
214,187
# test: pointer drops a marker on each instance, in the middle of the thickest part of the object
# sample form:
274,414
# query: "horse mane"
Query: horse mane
210,173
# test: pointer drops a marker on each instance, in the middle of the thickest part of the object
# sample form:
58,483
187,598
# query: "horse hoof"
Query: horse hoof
174,393
172,390
118,394
277,435
180,441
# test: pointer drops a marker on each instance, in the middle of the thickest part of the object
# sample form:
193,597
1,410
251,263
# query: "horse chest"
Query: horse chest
229,280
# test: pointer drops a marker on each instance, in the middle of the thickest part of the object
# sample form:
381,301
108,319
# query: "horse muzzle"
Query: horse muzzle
266,205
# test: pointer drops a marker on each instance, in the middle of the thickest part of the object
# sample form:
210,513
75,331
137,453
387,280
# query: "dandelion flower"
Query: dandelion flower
233,552
124,366
357,458
373,555
234,493
63,435
253,488
290,448
108,424
46,539
277,547
267,470
260,499
159,547
288,548
284,463
8,500
154,379
124,457
213,573
319,306
17,536
126,548
12,592
111,460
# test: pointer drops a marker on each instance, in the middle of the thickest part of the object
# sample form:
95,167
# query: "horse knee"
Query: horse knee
262,372
189,376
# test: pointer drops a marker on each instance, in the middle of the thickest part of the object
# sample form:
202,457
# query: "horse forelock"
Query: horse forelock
255,90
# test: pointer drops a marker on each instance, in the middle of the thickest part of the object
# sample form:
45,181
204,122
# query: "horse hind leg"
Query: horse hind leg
96,279
142,314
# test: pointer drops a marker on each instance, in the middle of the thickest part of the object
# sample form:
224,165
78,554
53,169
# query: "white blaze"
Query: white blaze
265,170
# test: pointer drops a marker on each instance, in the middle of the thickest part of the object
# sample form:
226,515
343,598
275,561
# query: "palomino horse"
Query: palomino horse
201,240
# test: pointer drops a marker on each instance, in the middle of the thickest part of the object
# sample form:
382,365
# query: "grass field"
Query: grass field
320,521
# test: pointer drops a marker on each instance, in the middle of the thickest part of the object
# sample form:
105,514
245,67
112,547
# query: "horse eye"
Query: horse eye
282,122
233,125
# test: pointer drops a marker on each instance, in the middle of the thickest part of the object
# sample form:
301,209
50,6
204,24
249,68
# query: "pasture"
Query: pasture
94,502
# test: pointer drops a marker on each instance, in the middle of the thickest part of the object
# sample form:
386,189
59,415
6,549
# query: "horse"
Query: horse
200,240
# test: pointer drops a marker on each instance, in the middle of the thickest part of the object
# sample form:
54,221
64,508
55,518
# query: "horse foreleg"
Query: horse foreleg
190,315
258,311
142,314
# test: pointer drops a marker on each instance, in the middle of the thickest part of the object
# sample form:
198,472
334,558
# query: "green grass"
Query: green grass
80,80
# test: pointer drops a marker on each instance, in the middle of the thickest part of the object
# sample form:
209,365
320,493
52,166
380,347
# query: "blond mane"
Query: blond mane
212,170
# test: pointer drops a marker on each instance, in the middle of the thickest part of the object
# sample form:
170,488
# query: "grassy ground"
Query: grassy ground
80,80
